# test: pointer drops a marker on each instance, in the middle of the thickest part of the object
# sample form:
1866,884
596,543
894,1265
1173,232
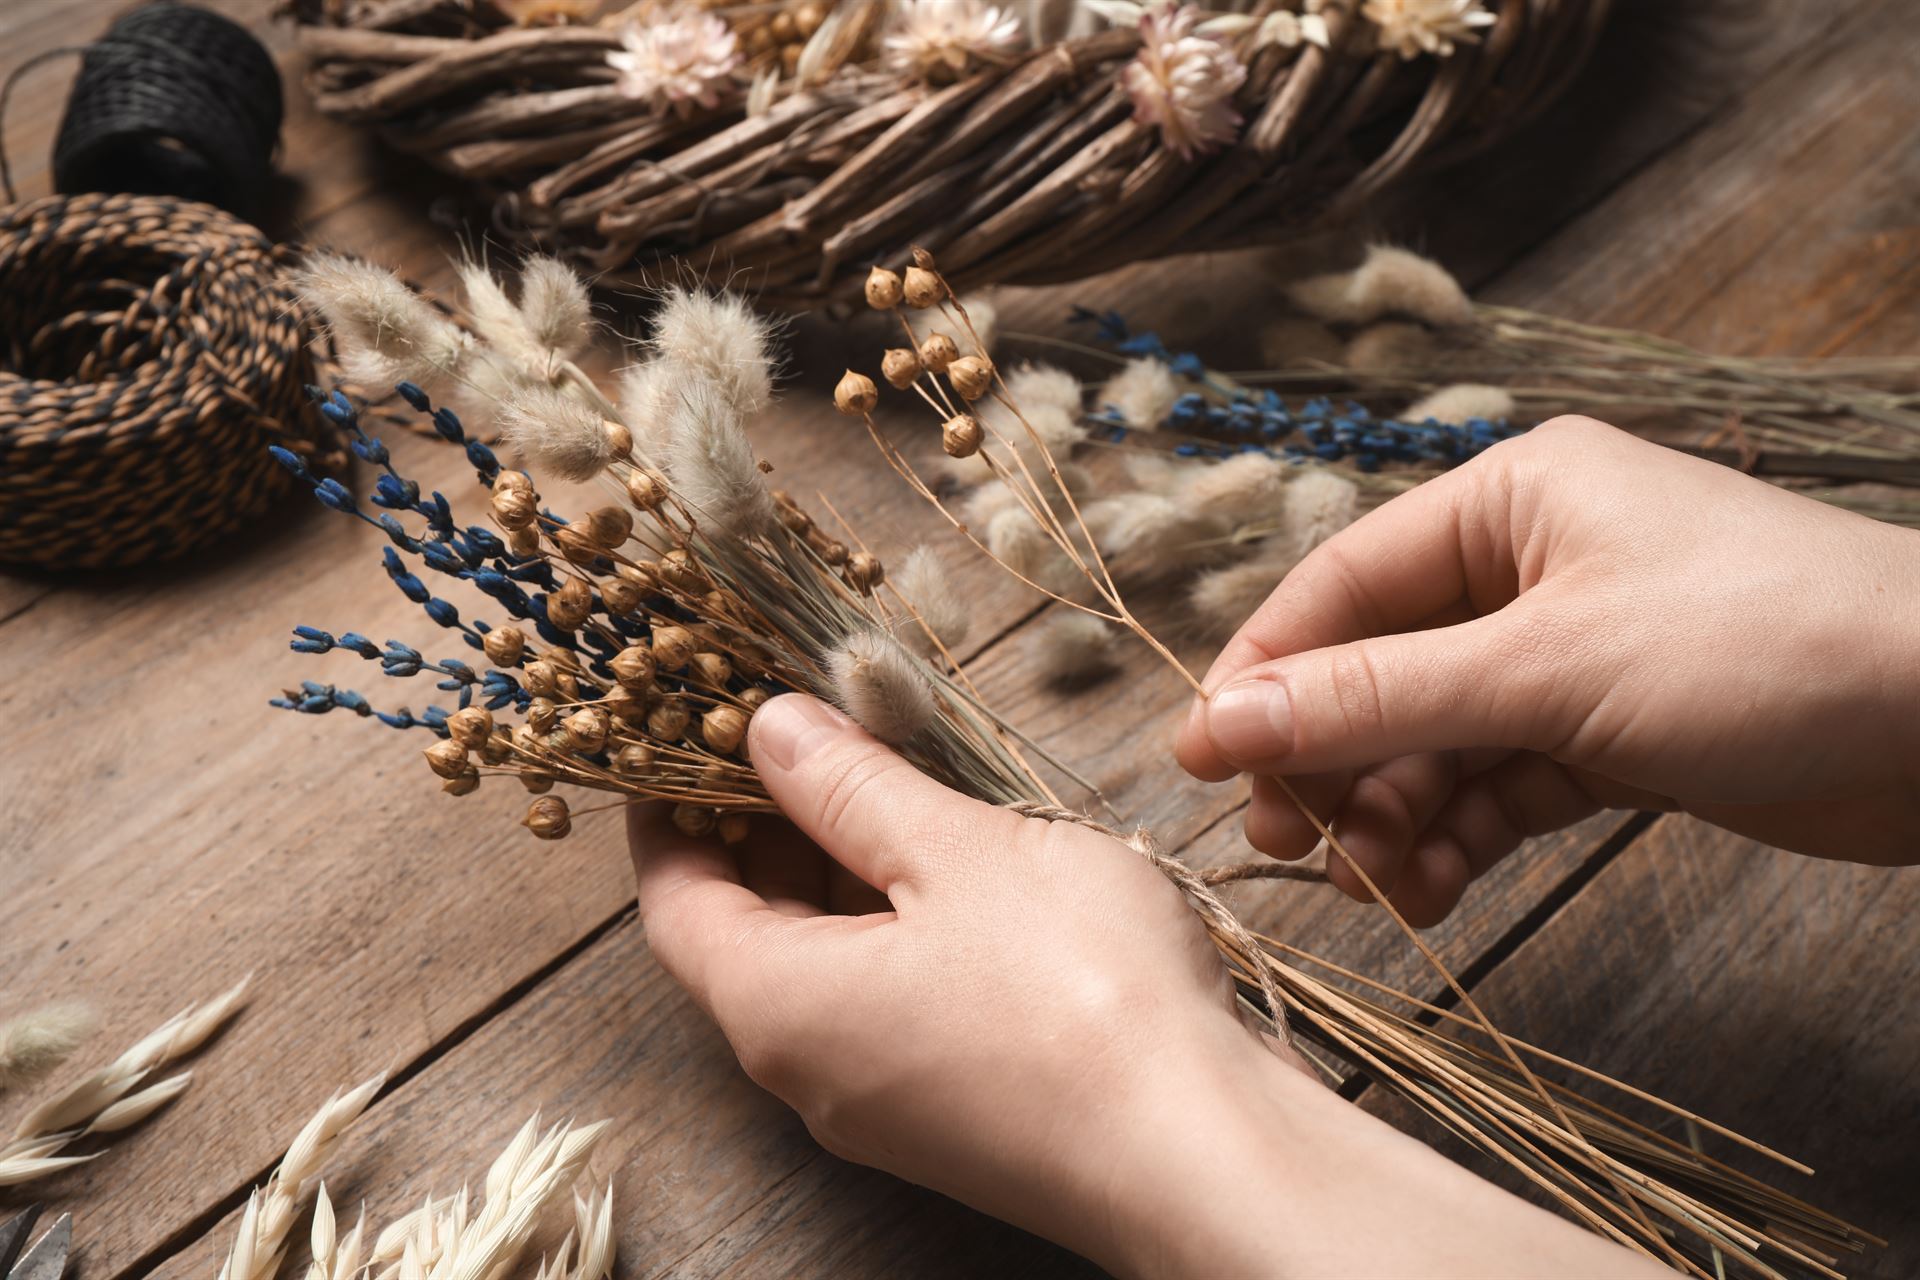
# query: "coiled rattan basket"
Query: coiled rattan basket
150,351
1030,172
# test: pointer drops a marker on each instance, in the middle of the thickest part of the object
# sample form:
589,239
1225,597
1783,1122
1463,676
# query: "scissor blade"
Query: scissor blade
47,1260
13,1236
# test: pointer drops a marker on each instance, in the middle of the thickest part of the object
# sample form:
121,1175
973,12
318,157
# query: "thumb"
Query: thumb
1478,684
874,813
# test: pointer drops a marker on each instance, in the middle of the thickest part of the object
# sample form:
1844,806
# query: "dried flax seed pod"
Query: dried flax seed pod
646,488
548,818
609,527
883,289
587,729
693,820
447,758
921,288
464,785
937,351
621,596
678,571
865,572
670,720
855,395
634,758
673,648
971,376
496,750
576,545
541,715
524,543
712,669
619,439
505,646
754,698
634,667
470,727
570,606
515,508
962,435
724,728
537,782
901,367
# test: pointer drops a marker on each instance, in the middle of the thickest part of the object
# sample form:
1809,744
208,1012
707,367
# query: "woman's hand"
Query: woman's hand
1027,1016
1577,619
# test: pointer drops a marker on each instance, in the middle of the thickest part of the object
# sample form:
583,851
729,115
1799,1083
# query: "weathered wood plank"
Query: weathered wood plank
1764,991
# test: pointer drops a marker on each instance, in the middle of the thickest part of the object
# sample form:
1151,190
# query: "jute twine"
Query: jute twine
150,350
1198,888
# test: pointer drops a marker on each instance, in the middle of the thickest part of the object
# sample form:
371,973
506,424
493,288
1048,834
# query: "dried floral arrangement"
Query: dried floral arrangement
645,632
795,142
447,1236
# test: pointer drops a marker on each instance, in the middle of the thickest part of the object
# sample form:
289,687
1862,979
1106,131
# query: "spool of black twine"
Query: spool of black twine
172,100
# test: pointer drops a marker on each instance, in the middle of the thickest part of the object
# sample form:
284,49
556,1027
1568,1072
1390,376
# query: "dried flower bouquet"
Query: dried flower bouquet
796,141
645,632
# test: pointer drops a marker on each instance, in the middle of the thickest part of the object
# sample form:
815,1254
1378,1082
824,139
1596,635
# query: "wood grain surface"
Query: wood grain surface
1738,174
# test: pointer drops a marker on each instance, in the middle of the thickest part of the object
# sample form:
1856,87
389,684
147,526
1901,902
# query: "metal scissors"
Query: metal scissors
47,1259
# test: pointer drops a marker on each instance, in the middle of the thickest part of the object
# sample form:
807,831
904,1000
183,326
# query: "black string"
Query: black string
172,100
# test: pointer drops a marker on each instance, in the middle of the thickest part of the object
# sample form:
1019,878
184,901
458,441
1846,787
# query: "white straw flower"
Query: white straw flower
719,336
1183,82
1142,393
939,41
1390,282
556,432
924,581
876,682
1413,27
1461,404
712,463
676,62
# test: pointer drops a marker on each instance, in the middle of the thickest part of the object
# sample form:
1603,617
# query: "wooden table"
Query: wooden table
1744,176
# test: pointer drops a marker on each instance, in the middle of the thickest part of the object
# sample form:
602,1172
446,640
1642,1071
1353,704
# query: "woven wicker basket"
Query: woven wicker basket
1028,173
149,354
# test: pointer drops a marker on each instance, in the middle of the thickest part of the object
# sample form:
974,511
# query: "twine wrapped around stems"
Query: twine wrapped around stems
1028,173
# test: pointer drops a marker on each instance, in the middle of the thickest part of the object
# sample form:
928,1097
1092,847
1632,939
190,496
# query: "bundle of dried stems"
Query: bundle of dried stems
660,622
798,141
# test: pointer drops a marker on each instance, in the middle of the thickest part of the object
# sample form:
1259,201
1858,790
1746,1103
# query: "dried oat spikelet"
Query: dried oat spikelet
924,581
1390,282
33,1044
718,336
876,682
386,332
713,466
116,1097
261,1242
1459,404
1142,393
335,1257
556,432
1076,648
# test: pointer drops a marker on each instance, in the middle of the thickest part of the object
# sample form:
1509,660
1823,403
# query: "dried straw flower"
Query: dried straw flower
385,331
1141,394
1183,82
855,395
924,582
33,1044
676,62
1413,27
713,467
719,339
548,818
1389,282
883,289
939,41
1076,648
1463,403
877,683
556,432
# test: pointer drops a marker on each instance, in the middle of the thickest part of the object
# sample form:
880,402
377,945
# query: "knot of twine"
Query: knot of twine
1198,889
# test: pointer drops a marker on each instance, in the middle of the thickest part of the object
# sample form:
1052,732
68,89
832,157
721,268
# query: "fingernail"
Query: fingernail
1252,720
790,726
